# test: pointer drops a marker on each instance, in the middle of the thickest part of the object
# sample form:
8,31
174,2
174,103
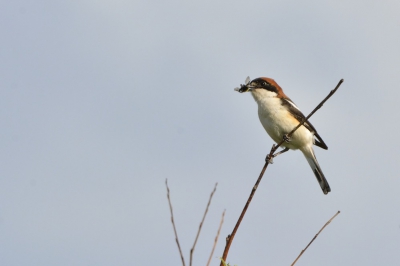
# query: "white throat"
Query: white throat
262,96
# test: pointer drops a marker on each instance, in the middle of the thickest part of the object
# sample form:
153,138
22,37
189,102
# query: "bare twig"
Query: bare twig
216,238
173,223
328,222
201,223
306,119
230,237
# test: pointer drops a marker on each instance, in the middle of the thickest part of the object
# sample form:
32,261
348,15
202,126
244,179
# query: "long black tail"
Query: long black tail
312,161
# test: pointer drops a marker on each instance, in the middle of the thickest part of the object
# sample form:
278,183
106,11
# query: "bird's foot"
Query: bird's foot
286,138
269,159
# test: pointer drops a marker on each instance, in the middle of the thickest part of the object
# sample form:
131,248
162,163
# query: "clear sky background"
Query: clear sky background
101,101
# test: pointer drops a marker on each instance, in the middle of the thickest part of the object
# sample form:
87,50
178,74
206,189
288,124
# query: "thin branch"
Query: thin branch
216,238
230,237
287,136
328,222
201,223
173,223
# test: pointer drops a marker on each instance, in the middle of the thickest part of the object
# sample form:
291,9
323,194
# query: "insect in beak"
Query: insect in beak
244,87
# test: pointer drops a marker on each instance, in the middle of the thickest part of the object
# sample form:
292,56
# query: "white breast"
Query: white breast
277,120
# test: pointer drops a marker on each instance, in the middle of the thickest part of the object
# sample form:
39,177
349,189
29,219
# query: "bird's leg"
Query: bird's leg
278,153
270,158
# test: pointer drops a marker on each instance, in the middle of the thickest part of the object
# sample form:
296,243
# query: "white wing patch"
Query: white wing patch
292,103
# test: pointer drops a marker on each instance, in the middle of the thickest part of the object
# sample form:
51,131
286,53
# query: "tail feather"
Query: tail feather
312,161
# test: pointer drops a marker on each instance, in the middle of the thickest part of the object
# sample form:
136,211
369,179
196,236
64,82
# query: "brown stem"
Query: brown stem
201,223
308,117
230,237
173,223
216,238
328,222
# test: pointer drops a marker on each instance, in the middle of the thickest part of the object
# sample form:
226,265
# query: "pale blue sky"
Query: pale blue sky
101,101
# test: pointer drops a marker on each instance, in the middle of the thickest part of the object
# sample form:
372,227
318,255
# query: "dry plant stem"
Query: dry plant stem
230,237
302,122
173,223
216,238
201,223
328,222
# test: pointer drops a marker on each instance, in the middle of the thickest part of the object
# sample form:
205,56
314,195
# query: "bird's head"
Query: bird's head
262,87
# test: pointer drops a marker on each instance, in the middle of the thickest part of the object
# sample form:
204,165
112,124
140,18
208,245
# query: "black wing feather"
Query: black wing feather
299,116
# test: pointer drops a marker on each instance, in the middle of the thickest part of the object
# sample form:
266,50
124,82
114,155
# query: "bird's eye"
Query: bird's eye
264,83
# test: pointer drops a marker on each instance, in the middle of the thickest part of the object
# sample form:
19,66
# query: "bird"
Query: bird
279,115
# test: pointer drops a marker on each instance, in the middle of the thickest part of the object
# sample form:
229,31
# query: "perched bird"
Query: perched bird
279,115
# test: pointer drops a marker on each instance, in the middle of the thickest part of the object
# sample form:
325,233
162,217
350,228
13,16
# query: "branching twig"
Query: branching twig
230,237
328,222
173,223
201,223
216,238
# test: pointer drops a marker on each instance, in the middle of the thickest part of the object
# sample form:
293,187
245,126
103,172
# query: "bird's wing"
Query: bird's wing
296,113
